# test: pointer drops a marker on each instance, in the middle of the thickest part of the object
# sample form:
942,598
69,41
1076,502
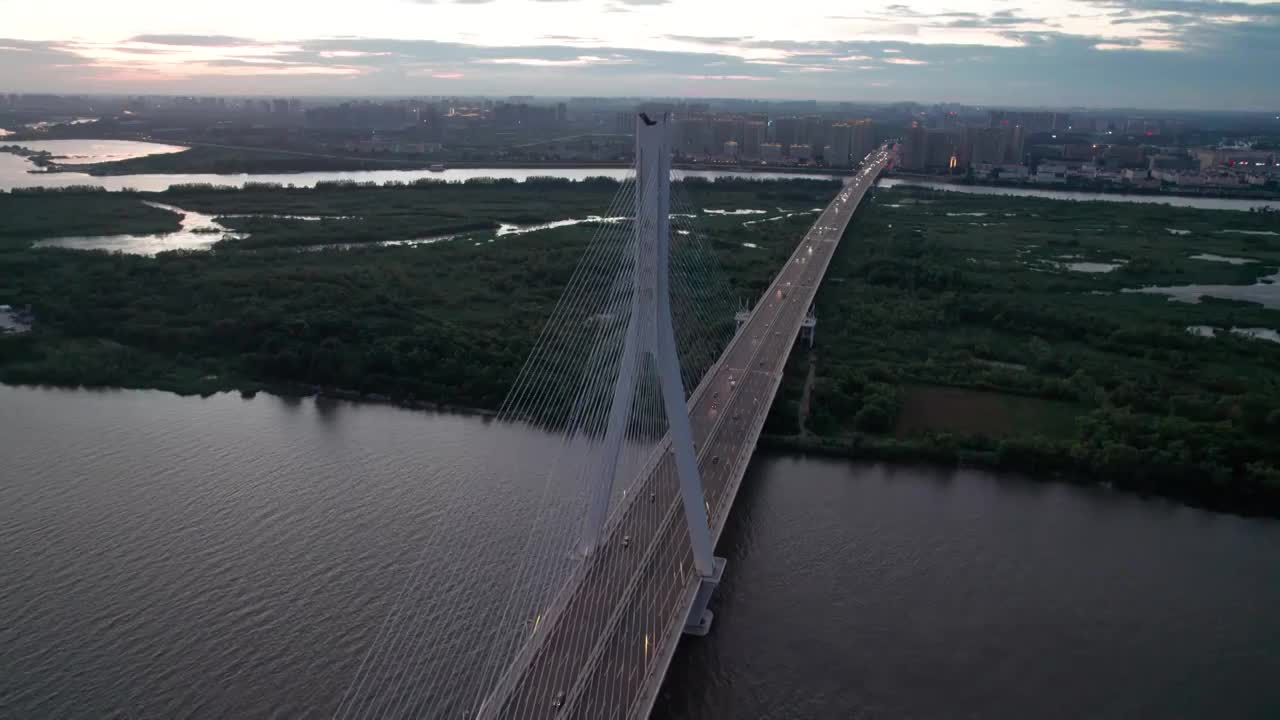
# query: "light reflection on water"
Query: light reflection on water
15,172
86,152
198,232
1265,292
1257,333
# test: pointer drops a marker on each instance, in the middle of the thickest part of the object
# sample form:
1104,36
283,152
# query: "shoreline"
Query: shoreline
250,390
921,451
907,178
357,163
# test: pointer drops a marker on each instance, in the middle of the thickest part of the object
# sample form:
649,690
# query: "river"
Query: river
15,173
168,557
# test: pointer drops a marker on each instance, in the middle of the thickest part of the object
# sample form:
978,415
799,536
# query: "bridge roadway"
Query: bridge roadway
602,648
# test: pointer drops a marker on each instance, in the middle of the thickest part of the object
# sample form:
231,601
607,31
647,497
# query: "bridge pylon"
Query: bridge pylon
651,338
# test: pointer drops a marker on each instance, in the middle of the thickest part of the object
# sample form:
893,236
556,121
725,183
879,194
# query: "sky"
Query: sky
1175,54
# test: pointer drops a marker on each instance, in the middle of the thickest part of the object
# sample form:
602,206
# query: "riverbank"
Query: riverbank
997,331
42,159
1045,463
201,157
1089,188
982,327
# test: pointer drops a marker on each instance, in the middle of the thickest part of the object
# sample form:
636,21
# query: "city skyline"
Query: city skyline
1175,54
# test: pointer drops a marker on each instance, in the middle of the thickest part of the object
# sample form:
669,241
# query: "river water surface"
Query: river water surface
165,557
15,173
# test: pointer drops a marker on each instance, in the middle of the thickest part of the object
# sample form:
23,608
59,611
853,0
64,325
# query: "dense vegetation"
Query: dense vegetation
950,327
29,215
448,322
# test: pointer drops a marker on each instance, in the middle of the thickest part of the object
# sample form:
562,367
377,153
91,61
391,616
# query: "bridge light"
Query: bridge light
646,646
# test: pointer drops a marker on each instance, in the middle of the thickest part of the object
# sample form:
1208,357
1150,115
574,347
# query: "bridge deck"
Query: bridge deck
602,649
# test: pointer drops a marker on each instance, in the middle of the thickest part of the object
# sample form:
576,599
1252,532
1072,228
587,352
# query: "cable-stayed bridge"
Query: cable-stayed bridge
616,562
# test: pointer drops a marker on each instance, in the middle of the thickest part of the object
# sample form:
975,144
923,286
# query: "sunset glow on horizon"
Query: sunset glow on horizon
1168,53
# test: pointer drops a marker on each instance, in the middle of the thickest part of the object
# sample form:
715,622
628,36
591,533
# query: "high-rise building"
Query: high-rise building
863,139
915,148
730,149
624,123
723,131
943,146
786,131
754,134
813,132
696,137
838,153
984,145
1039,121
1015,150
771,152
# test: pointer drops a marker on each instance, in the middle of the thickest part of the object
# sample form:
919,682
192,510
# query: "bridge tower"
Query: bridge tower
651,339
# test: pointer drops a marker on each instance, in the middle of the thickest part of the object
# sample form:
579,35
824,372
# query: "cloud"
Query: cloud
193,40
1165,19
1004,18
723,77
548,62
1213,61
1203,27
1213,8
710,40
893,15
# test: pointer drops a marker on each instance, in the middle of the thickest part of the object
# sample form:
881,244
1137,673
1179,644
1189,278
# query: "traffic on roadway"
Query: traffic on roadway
601,649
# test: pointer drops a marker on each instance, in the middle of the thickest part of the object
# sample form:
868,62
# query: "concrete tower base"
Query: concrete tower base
699,621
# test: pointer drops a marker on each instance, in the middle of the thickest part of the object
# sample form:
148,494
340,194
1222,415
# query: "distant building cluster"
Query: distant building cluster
1050,148
1229,151
759,138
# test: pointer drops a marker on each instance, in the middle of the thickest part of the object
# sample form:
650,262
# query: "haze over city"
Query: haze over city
1185,54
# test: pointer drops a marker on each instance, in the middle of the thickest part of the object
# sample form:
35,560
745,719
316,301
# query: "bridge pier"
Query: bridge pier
809,327
698,622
